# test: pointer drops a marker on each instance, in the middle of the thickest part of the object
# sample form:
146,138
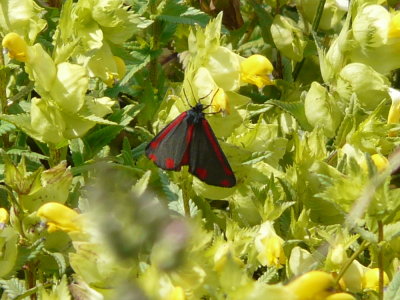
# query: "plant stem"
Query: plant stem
363,245
314,28
156,32
185,192
318,15
380,258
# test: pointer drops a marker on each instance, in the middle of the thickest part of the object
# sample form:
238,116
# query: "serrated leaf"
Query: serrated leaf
60,260
269,275
209,216
13,287
177,13
296,109
6,127
126,153
392,292
99,138
98,120
265,20
28,154
257,157
170,191
138,151
77,151
141,185
140,64
178,206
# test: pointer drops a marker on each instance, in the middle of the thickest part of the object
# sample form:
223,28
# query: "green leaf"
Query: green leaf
6,127
77,148
175,12
99,138
265,21
392,292
28,154
13,287
60,260
296,109
141,185
141,60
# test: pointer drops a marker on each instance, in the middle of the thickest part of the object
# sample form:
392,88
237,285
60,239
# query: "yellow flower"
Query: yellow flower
314,285
4,217
59,217
220,102
257,69
394,112
16,46
340,296
177,293
269,246
121,71
370,279
380,161
394,26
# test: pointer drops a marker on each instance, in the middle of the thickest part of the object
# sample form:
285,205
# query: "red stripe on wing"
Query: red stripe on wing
154,144
215,147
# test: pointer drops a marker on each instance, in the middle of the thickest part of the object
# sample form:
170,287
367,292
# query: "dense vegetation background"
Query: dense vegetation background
305,105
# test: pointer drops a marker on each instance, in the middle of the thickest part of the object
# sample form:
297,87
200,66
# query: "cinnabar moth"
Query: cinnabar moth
189,140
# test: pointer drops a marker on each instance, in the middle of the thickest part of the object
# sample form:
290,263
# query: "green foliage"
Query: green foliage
303,98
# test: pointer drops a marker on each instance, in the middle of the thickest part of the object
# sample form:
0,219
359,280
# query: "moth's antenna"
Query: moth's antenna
194,97
212,99
186,98
192,90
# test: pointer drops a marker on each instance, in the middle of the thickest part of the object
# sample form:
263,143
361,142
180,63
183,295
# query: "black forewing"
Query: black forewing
168,147
206,159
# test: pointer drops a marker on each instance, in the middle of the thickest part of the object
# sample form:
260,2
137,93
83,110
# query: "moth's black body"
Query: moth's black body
189,140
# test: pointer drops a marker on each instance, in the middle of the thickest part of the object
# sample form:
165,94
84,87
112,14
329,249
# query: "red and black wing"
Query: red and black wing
206,159
169,149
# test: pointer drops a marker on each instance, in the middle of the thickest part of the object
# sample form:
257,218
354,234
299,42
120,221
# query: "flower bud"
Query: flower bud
322,110
370,26
288,37
370,86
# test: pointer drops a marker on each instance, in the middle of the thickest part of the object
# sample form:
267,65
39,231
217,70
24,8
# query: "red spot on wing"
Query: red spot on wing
215,147
201,173
154,144
152,157
225,182
169,163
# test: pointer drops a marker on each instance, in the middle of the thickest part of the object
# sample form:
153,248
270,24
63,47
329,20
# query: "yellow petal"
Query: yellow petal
370,279
341,296
394,26
257,70
16,46
314,285
177,293
220,102
4,216
59,217
121,67
380,162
